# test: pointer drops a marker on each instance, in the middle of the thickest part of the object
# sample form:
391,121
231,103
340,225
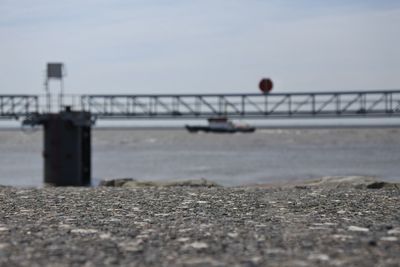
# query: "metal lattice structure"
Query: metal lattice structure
252,106
287,105
15,106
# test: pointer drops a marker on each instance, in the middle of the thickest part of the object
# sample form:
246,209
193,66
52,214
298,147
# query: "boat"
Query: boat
220,125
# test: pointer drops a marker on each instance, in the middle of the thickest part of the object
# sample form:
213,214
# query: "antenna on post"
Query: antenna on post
55,71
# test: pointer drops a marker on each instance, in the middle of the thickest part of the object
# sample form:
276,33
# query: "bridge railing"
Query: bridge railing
15,106
55,103
327,104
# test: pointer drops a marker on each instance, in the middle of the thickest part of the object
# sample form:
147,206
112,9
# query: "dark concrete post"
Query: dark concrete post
67,148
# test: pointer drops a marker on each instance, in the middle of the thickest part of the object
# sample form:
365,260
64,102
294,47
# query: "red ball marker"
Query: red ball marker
266,85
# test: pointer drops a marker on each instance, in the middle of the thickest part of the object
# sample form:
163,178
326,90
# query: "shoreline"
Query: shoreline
357,181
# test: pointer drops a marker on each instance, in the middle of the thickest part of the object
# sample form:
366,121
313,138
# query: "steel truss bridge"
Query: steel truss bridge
352,104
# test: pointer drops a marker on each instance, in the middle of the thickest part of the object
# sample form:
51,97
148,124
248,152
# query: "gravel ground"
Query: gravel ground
182,226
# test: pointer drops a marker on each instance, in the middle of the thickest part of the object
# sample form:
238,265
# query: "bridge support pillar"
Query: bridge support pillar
67,147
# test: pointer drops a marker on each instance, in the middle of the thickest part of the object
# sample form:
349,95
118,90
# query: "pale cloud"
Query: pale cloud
200,46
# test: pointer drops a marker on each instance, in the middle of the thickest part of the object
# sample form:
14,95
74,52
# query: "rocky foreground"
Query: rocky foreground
304,225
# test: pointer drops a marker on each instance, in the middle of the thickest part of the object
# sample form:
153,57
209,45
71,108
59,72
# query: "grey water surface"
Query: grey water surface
267,156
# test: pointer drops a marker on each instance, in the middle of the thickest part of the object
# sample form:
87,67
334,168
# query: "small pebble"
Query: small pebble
320,257
84,231
389,238
358,229
395,231
198,245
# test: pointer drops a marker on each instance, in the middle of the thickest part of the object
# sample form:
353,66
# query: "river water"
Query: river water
267,156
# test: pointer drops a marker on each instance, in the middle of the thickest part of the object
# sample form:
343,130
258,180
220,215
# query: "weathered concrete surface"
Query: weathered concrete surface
182,226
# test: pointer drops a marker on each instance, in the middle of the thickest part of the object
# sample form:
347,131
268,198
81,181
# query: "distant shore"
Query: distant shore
317,224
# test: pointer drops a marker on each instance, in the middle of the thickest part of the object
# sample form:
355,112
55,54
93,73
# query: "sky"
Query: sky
200,46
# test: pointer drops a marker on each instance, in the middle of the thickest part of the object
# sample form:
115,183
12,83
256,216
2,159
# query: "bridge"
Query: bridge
384,103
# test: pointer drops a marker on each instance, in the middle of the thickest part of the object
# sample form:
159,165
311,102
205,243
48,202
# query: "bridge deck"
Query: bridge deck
288,105
284,105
